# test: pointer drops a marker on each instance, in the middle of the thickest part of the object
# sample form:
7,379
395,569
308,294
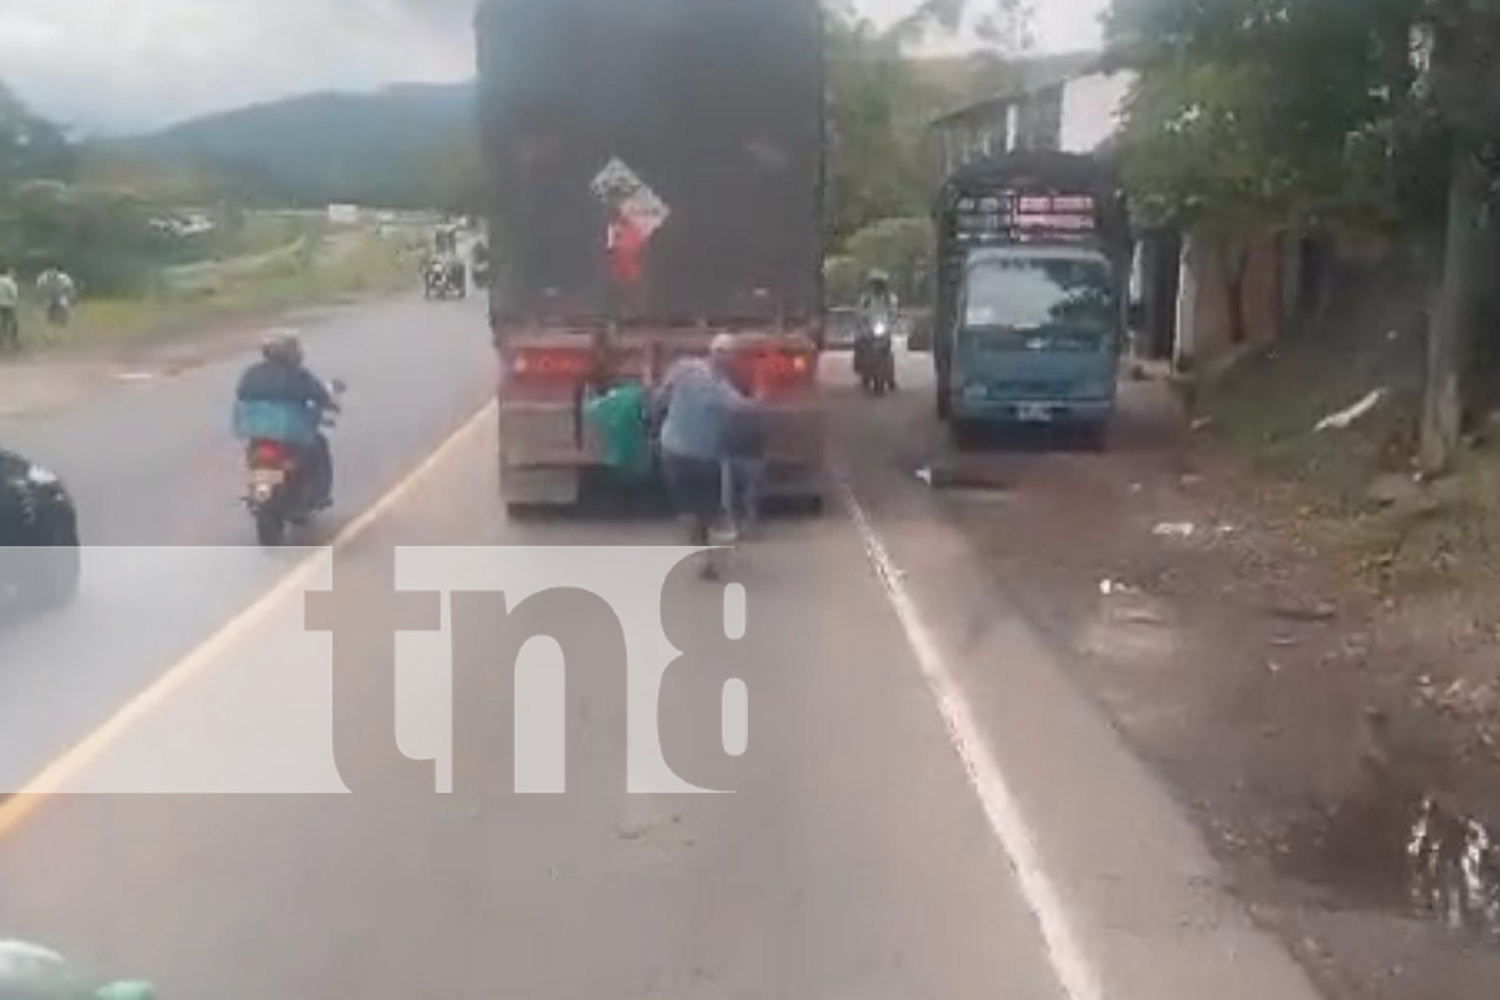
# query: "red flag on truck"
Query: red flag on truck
624,243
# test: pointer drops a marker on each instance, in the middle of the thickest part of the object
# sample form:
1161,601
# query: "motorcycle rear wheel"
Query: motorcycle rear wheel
270,529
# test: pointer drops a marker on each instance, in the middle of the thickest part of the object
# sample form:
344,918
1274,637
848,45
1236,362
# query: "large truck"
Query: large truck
654,178
1031,293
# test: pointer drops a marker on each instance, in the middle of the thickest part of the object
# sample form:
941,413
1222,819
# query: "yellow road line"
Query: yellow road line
16,809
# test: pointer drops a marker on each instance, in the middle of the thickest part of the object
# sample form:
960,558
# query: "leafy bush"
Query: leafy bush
101,237
900,247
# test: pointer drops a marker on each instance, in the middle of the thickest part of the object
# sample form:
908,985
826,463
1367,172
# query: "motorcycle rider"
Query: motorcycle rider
480,262
59,293
878,298
877,304
281,377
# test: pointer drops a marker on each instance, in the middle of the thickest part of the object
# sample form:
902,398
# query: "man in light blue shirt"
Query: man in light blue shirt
699,401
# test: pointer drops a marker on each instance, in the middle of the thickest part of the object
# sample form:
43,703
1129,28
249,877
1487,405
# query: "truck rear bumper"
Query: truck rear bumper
543,454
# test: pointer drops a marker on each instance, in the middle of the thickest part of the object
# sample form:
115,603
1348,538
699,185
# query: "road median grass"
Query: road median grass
324,270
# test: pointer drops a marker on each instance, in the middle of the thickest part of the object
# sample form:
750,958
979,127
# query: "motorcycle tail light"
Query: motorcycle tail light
266,454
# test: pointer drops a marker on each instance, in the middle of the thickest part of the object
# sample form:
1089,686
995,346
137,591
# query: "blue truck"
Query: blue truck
1033,259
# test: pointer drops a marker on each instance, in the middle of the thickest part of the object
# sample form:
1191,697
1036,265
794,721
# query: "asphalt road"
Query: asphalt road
157,479
922,807
151,463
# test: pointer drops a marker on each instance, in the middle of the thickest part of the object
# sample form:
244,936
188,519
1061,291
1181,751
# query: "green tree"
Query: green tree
1460,46
101,237
1277,110
900,247
874,166
1246,111
879,103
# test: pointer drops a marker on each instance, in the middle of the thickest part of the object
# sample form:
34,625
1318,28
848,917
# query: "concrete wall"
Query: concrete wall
1092,109
1205,328
1089,116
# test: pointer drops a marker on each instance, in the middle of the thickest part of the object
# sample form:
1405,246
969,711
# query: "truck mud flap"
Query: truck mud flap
539,487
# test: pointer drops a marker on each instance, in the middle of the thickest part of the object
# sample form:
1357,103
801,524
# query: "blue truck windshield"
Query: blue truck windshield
1066,299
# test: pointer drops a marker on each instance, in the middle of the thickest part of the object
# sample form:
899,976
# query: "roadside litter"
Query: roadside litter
962,481
1343,419
1314,611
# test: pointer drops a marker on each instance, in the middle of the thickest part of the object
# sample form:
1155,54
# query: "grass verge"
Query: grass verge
335,268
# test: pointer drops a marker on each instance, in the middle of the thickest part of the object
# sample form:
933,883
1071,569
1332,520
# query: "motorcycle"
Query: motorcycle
874,355
279,487
59,312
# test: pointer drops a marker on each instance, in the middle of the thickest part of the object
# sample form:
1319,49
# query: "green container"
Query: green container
618,420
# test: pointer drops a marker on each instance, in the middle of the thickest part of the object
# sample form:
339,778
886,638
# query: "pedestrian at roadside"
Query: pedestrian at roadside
58,294
10,309
699,401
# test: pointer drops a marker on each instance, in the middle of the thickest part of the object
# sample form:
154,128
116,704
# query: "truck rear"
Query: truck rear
654,176
1033,258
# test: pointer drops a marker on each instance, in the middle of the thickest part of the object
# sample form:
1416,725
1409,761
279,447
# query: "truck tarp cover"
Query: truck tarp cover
714,105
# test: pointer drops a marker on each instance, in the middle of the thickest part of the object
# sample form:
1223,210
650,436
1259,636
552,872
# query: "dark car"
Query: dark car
39,555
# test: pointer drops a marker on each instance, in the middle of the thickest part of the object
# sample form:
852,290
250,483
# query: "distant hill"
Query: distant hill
415,145
407,145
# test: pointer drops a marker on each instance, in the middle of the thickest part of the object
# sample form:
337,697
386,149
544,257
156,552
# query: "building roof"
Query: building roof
1033,75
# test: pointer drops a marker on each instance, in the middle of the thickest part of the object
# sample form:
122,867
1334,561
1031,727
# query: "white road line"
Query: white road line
1074,971
19,807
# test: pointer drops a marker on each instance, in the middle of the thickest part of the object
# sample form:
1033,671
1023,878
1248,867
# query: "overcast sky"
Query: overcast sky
127,65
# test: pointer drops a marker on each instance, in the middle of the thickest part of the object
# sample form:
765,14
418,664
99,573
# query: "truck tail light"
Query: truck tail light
784,369
550,364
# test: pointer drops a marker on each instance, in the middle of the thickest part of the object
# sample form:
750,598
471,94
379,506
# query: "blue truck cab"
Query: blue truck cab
1030,317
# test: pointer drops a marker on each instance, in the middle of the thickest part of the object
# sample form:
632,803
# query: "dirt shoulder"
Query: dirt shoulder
1332,734
44,381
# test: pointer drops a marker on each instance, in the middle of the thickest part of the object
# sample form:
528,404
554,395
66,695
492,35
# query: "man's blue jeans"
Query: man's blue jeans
741,487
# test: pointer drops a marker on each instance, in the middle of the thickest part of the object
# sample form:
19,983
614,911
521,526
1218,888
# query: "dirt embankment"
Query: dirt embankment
1303,641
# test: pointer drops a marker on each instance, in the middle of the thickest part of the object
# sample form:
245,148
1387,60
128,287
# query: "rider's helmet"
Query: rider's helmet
284,346
878,282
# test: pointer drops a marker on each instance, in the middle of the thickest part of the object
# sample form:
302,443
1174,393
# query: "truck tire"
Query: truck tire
1093,437
53,581
270,528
